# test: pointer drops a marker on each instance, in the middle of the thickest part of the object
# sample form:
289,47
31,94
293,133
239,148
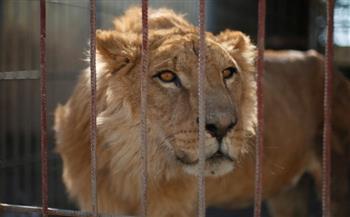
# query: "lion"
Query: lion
293,89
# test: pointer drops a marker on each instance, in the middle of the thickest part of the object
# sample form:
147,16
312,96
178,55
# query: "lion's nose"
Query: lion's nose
219,130
219,127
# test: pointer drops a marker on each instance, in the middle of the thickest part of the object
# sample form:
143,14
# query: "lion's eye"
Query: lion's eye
168,76
229,72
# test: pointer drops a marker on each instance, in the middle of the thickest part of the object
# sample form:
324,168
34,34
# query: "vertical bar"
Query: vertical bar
260,110
14,132
3,38
43,109
201,109
3,101
327,127
13,119
144,70
93,128
13,94
3,137
27,106
3,95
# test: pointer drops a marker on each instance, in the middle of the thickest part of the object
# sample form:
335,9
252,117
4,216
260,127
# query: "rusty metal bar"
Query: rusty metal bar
144,145
260,112
93,112
327,127
43,109
52,211
201,109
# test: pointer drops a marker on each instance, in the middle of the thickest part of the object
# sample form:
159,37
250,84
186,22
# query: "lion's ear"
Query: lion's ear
238,45
117,49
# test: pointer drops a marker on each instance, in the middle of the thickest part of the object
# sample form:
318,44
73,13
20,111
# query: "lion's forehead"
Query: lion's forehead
183,53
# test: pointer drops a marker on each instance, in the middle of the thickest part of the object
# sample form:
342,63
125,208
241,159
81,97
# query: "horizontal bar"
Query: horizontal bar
19,75
52,211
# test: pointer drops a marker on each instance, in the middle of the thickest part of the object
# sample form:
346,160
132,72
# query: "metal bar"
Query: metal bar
14,133
260,109
93,112
25,100
13,103
27,131
3,108
144,145
3,136
20,75
3,101
201,109
327,127
3,41
52,211
43,109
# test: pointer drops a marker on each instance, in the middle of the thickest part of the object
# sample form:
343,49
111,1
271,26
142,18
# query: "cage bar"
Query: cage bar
260,109
3,136
93,130
31,77
13,123
144,145
201,109
327,127
43,109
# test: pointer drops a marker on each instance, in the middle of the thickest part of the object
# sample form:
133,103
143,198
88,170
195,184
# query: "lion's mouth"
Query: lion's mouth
219,156
216,164
215,158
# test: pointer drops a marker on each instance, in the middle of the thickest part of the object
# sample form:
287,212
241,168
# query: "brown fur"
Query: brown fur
293,115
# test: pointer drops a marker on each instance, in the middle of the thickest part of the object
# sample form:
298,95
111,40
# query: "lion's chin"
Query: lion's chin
217,167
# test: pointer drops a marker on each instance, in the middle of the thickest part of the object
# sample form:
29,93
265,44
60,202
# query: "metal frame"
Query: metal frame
46,211
143,133
43,110
327,126
201,109
259,153
93,113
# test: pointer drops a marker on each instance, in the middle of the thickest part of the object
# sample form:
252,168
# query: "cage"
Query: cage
67,38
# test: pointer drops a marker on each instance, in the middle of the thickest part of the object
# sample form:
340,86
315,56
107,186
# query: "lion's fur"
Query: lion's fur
293,113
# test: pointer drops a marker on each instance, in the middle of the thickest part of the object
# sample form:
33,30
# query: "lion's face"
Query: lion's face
174,87
172,111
